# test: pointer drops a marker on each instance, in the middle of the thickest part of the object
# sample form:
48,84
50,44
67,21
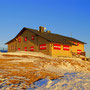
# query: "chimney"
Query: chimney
41,29
48,31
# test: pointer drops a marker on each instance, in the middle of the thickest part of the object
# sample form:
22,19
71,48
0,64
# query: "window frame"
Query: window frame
33,37
66,47
19,40
25,39
57,46
42,46
32,48
25,48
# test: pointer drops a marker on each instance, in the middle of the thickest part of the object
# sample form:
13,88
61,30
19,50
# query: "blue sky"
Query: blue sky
59,16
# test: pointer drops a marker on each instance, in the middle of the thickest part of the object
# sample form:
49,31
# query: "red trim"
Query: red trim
33,37
78,44
25,39
79,51
42,46
57,46
32,48
18,49
25,48
19,40
74,42
66,47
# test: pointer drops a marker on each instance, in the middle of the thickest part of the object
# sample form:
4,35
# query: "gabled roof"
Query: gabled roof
50,37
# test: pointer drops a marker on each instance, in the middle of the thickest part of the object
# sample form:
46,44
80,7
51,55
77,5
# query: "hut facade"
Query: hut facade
46,42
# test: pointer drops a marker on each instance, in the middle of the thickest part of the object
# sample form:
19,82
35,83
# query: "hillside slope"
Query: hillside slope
21,69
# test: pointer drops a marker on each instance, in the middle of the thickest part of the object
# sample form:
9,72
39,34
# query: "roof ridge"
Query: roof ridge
51,37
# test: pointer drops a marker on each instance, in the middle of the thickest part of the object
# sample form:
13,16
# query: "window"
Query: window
18,49
66,47
32,48
25,48
57,46
25,39
19,40
78,44
42,46
79,51
33,37
74,42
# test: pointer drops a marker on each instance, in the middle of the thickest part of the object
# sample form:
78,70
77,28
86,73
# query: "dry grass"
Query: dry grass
82,64
29,70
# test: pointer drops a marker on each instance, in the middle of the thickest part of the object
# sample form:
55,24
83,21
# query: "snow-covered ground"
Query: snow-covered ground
75,72
70,81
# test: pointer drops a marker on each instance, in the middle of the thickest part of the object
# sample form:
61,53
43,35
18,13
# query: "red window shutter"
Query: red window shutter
25,38
32,48
25,48
74,42
33,37
42,46
57,46
66,47
19,40
79,51
78,44
18,49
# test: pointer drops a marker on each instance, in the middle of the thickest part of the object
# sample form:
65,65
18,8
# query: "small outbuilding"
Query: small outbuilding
46,42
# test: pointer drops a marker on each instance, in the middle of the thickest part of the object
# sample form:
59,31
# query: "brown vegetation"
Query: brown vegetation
28,71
